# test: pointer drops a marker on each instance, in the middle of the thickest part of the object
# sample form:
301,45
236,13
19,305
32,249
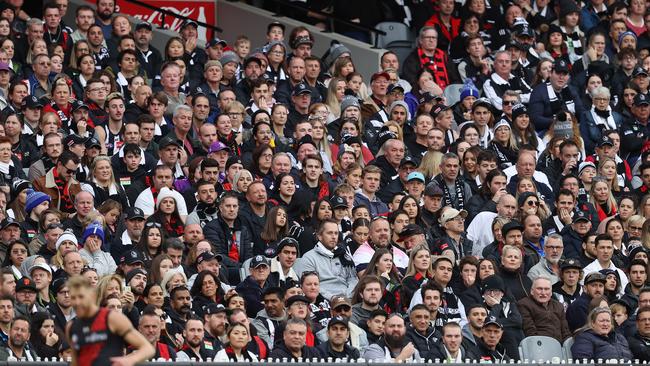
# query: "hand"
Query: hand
231,292
93,245
190,44
591,52
81,127
565,216
182,156
51,339
128,299
296,230
569,167
179,340
498,194
490,300
386,275
407,352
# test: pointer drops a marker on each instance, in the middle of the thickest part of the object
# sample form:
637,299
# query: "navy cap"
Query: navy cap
570,263
215,41
492,320
580,216
641,99
143,25
392,87
560,66
74,139
639,71
168,140
338,320
296,298
131,257
300,89
512,225
189,22
78,104
31,101
134,213
605,140
259,260
208,256
338,202
92,142
214,308
407,160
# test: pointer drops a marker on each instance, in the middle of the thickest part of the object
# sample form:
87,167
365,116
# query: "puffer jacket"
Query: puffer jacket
423,343
592,346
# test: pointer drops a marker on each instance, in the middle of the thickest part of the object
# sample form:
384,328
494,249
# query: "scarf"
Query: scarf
505,155
573,42
64,116
64,193
565,97
603,119
460,192
174,227
233,357
343,255
205,212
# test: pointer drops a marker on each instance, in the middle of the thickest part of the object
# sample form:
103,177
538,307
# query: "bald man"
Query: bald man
84,204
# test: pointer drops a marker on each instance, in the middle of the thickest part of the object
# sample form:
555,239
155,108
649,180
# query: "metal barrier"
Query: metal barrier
338,362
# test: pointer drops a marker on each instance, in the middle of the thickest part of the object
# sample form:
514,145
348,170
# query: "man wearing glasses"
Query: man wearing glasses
548,266
59,184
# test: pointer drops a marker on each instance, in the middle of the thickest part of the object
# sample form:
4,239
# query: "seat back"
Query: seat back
540,348
566,349
395,31
401,48
452,93
244,271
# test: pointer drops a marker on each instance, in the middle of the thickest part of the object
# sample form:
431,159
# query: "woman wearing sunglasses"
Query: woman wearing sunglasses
530,204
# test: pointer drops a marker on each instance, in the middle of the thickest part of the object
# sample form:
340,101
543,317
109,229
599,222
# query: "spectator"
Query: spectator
541,314
597,339
392,346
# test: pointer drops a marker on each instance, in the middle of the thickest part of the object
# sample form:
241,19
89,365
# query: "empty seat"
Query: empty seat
540,348
395,31
401,48
566,348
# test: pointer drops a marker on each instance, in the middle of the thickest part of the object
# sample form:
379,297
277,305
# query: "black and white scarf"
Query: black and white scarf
505,155
460,192
603,119
565,103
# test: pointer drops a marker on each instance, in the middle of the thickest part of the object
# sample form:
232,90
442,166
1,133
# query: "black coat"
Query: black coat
281,351
640,347
220,236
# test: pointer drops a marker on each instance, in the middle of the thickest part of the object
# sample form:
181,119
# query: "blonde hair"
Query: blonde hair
102,286
430,164
410,270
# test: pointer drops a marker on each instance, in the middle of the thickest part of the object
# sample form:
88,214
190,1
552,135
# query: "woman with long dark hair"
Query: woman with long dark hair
381,265
167,214
276,228
206,290
45,337
151,240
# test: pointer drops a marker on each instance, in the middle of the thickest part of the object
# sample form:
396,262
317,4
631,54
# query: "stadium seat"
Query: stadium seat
395,31
401,48
244,271
540,348
566,349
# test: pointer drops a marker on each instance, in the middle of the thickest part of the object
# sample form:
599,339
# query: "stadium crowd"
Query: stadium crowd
240,202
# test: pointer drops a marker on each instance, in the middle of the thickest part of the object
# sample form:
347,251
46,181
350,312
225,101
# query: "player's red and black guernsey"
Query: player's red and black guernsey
93,341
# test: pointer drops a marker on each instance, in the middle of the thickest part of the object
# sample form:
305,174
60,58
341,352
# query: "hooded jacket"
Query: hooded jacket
423,343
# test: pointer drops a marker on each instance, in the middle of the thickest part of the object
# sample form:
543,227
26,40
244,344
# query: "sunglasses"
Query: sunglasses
532,203
54,226
153,224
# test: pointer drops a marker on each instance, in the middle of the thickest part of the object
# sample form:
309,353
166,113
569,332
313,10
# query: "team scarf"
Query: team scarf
63,116
556,104
603,119
460,192
64,193
506,156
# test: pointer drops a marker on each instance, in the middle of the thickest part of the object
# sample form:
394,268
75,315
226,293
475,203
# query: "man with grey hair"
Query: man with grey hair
456,191
182,118
427,55
542,315
502,79
549,265
389,157
170,80
35,30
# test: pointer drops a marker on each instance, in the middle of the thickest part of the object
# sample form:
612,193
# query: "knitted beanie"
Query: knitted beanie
35,198
469,90
94,228
349,101
67,235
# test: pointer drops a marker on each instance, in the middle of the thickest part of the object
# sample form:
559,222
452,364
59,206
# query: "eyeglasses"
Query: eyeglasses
532,203
509,102
153,224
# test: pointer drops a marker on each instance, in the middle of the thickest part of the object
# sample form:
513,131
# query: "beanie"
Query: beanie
168,193
35,198
568,7
469,90
67,235
349,101
94,228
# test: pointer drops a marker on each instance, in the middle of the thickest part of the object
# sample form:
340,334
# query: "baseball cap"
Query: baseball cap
208,256
410,230
433,190
4,66
452,213
580,216
250,59
392,87
78,104
338,320
131,257
259,260
92,142
218,146
639,71
8,222
338,300
134,213
214,308
25,283
641,99
595,277
300,89
232,161
482,102
215,41
167,141
407,160
439,108
32,102
492,320
427,97
74,139
143,25
415,176
189,22
42,266
338,202
560,65
296,298
493,282
605,140
378,75
570,263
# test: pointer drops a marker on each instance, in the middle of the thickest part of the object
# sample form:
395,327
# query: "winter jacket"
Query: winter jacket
251,291
639,346
220,235
349,352
47,185
335,277
423,343
498,355
591,132
281,352
479,203
543,319
439,352
358,337
517,283
592,346
102,261
576,313
508,315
